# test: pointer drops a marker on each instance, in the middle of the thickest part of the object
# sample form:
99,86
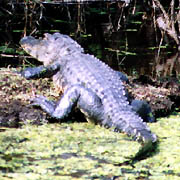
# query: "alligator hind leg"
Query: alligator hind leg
141,107
85,99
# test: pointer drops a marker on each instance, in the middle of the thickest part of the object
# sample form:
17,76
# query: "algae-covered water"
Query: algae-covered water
86,151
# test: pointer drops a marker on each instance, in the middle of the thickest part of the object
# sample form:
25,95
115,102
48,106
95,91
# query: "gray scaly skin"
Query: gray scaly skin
88,83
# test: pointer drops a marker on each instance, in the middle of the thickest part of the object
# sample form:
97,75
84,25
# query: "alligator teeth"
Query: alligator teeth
135,131
143,138
139,134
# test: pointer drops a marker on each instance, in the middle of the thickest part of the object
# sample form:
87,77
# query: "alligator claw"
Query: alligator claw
36,101
44,103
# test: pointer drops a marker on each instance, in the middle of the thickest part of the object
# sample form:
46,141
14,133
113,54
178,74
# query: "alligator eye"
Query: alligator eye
68,69
96,90
102,92
105,97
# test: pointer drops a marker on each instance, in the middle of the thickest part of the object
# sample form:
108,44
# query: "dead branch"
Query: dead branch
166,22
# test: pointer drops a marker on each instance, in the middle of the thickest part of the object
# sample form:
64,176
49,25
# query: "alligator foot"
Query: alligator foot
143,109
44,103
86,100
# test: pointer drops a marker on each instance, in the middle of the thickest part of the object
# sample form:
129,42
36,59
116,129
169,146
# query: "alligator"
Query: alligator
87,83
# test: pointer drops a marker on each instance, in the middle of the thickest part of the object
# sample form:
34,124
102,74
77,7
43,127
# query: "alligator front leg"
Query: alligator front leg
85,99
40,71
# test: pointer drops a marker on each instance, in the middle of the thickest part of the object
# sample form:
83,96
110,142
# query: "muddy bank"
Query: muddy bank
16,93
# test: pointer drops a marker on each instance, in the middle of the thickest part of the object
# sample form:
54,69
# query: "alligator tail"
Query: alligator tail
136,128
140,132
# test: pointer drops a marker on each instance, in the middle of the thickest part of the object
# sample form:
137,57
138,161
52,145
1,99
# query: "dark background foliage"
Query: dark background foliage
136,38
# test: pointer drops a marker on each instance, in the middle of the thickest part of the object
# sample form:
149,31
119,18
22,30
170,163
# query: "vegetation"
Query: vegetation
120,34
86,151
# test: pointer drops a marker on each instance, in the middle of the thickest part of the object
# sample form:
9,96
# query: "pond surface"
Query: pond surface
85,151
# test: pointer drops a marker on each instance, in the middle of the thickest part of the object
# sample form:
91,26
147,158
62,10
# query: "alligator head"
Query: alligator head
46,51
